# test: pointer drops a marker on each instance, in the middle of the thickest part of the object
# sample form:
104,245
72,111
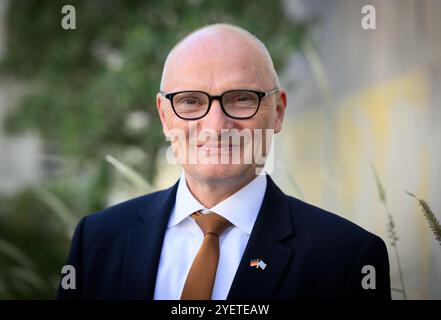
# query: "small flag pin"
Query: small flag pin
257,263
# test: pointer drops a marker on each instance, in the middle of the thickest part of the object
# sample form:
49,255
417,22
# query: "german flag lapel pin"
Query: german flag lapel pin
257,263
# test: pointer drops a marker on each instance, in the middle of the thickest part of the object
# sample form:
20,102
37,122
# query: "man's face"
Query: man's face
215,64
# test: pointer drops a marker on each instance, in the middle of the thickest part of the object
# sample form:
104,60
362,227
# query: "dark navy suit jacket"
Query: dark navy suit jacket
310,253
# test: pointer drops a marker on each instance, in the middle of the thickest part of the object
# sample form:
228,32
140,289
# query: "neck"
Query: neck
210,193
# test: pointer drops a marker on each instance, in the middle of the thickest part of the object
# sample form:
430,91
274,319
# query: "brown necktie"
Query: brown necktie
200,279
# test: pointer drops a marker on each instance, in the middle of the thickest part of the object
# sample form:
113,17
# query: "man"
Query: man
224,230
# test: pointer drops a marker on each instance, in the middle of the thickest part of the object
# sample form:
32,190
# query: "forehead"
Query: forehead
216,62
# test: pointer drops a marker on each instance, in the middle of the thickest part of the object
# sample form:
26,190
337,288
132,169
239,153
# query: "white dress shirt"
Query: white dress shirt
183,238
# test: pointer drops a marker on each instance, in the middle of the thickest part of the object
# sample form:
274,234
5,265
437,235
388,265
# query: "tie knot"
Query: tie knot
211,223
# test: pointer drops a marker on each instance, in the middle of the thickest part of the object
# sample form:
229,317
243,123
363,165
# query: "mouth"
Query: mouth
207,145
218,148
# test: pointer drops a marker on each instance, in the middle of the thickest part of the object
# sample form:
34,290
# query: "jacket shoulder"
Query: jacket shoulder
312,221
127,213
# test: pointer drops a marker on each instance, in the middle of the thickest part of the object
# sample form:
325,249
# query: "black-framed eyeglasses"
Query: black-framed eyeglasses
236,104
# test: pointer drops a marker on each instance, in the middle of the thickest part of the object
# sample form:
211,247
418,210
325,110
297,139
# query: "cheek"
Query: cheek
175,124
264,118
169,117
178,130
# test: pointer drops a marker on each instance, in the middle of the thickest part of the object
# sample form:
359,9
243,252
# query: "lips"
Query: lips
217,146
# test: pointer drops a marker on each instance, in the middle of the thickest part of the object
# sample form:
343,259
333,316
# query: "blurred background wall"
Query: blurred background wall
383,107
361,103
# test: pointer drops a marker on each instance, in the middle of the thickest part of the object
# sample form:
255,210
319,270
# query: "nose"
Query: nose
216,119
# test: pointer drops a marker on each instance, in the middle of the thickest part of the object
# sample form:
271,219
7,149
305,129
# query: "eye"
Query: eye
190,101
242,98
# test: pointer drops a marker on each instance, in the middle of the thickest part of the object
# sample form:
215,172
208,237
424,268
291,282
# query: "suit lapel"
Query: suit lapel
143,247
273,224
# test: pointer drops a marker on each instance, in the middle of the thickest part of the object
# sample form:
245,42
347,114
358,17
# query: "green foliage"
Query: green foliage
91,92
32,247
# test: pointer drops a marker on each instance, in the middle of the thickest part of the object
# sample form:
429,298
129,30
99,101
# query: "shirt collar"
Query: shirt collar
241,208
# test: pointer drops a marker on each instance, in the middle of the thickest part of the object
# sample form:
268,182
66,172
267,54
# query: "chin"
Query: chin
219,173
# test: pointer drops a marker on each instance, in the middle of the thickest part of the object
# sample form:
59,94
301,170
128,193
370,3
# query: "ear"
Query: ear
280,110
160,105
